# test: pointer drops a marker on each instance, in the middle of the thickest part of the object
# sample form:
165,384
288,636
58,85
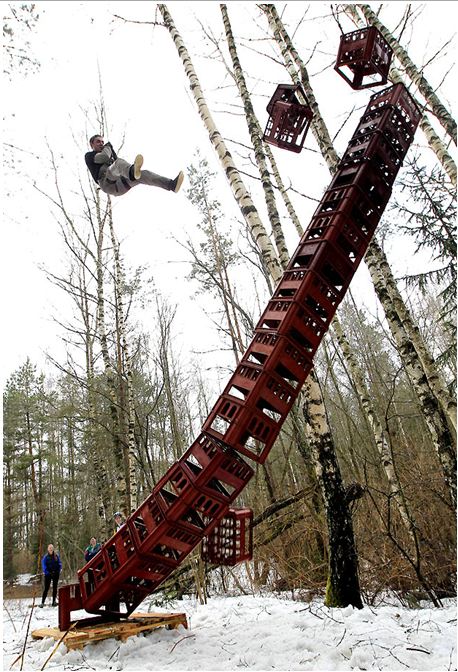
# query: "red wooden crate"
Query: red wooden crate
231,542
389,121
70,599
374,146
291,319
357,230
247,430
177,494
374,180
345,236
285,93
326,260
215,465
286,359
364,58
398,96
148,520
96,574
352,202
260,387
287,126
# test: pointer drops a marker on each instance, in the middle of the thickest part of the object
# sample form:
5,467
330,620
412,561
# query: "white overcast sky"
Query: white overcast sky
149,104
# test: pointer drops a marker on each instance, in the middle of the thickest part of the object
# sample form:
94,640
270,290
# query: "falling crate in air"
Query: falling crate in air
231,542
289,119
364,58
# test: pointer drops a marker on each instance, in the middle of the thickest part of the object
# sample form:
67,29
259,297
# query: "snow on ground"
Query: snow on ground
253,633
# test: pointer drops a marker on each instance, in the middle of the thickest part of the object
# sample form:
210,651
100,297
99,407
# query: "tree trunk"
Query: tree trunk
283,192
436,421
101,476
343,583
430,368
121,483
256,134
443,437
239,190
288,51
126,374
382,442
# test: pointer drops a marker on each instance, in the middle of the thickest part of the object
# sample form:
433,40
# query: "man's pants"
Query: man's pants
117,182
48,578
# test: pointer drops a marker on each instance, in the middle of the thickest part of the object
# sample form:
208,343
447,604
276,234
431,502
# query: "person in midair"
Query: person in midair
52,566
116,176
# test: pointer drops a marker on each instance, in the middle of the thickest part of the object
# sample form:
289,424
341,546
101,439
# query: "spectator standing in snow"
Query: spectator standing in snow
51,566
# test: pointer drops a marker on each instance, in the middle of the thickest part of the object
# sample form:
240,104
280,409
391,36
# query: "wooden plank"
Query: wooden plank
136,623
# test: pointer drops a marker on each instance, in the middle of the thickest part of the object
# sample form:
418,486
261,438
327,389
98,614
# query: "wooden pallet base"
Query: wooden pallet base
76,637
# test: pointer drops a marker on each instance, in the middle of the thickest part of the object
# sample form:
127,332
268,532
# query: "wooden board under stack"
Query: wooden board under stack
77,638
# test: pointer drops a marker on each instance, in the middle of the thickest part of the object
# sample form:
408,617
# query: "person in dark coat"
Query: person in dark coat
93,548
116,176
119,520
52,567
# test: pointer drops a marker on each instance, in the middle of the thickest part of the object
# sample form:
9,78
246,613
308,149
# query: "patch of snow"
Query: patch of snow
261,632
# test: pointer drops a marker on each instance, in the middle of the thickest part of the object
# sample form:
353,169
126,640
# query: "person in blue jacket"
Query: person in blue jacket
52,566
93,548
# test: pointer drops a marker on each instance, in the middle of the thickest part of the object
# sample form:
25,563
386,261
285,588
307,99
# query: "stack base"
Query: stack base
81,635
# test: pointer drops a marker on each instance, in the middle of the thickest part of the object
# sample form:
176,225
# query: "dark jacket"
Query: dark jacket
95,160
91,551
51,564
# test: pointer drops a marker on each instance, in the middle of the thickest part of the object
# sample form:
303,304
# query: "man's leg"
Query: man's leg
55,580
46,588
116,181
120,170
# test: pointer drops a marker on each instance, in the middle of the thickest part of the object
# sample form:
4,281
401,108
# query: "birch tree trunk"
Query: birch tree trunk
433,139
165,319
125,372
289,53
433,377
343,590
256,134
121,483
381,440
438,109
283,192
435,418
239,190
343,584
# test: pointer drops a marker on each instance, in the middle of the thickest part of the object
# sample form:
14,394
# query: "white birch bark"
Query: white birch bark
381,440
282,189
444,444
101,476
289,53
256,134
239,190
121,484
126,370
435,380
435,419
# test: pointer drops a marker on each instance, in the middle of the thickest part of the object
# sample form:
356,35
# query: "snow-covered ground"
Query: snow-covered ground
254,633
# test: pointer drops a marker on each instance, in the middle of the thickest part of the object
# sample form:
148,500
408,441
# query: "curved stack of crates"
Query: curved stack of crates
197,492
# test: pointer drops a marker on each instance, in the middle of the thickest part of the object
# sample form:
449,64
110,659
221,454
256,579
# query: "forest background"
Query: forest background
127,317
